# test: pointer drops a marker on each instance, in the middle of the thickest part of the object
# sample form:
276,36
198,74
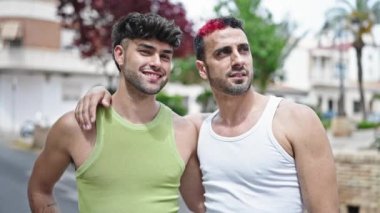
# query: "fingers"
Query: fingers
106,101
78,113
85,112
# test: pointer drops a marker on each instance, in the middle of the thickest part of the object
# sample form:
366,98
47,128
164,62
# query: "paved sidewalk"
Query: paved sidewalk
359,140
13,140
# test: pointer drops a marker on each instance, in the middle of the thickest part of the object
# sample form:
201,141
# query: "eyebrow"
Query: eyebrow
147,46
228,47
224,48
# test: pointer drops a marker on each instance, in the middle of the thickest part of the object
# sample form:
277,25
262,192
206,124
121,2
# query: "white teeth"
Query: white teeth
153,75
150,74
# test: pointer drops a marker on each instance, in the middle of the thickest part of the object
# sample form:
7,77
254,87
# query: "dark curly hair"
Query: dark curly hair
145,26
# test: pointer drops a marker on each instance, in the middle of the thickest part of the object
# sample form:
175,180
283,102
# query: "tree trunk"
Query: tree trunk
342,92
358,45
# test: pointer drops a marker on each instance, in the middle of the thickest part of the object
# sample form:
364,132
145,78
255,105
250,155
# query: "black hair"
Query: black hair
145,26
210,27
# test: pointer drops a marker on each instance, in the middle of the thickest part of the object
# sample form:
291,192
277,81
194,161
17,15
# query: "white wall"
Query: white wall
296,67
36,94
40,10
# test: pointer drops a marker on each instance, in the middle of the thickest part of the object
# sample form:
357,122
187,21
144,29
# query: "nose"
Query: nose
155,61
237,59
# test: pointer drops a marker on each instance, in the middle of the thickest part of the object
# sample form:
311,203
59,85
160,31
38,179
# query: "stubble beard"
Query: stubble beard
228,88
139,83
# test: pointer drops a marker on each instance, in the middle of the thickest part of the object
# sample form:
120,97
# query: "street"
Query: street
15,169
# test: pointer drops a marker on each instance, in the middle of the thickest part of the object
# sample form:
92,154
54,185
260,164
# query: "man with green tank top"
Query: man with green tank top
141,154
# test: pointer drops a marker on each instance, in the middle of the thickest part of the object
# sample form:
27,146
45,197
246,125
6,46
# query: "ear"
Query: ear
202,70
118,53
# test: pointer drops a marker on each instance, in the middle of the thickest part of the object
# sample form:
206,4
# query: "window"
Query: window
353,209
11,34
330,105
357,106
324,62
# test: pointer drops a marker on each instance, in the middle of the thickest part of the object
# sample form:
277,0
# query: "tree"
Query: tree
270,42
207,101
185,71
175,102
337,35
93,20
359,17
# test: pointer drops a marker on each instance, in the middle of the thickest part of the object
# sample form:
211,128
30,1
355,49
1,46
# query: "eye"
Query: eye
145,52
223,52
166,57
244,48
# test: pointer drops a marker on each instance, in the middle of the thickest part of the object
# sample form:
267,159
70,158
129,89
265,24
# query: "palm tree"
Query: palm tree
359,17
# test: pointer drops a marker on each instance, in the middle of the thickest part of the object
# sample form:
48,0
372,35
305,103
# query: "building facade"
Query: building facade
40,77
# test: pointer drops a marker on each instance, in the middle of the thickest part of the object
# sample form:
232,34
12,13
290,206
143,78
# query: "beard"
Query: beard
237,88
138,82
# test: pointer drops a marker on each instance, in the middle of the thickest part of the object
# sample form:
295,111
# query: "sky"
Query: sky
308,14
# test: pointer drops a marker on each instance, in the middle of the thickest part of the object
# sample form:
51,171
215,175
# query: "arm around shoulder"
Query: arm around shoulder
191,181
50,165
197,119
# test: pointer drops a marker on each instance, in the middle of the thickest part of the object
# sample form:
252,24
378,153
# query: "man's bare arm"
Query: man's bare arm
191,186
48,168
314,160
191,181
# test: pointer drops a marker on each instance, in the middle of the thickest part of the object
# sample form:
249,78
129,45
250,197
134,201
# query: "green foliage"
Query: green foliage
185,71
270,42
175,102
326,122
206,100
367,125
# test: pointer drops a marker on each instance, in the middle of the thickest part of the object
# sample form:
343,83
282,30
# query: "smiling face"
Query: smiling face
228,62
145,64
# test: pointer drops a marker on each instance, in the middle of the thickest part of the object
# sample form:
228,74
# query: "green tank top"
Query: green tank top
133,168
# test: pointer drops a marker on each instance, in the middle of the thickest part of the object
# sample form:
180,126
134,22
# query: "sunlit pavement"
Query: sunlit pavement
16,163
359,140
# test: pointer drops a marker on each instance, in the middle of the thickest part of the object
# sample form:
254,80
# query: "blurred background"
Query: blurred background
325,54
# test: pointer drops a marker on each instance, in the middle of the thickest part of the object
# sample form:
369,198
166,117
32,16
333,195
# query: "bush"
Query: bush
175,102
326,123
367,125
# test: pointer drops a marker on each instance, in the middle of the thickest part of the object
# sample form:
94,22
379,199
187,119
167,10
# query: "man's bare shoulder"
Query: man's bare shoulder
67,124
197,119
65,130
183,125
295,112
301,121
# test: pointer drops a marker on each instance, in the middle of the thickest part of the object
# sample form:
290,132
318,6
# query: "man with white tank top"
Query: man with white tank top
257,153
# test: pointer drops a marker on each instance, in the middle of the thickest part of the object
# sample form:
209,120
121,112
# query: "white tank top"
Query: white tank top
250,172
